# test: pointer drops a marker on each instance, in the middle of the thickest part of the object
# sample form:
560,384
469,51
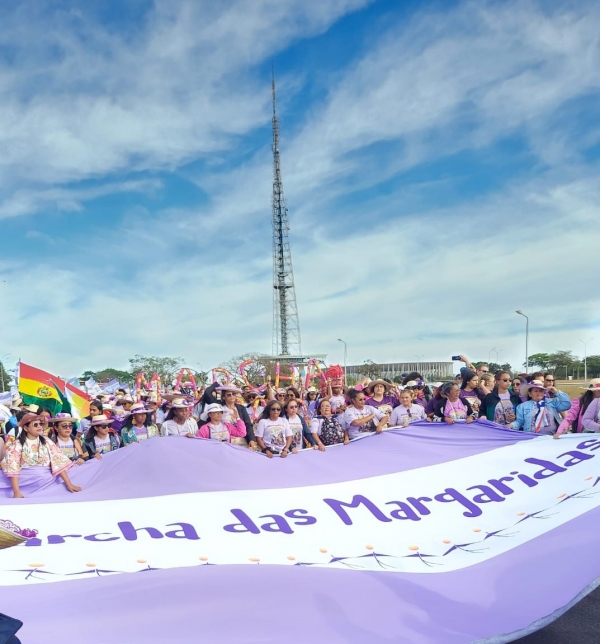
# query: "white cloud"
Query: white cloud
433,281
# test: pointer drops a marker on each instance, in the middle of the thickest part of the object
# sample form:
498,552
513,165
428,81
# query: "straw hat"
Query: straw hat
380,382
176,396
137,408
213,408
534,384
60,418
593,386
237,390
123,400
180,403
100,419
28,418
8,538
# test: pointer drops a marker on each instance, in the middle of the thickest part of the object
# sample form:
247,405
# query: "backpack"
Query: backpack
331,431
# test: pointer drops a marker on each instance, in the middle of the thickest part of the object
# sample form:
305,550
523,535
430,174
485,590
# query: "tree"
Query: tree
371,369
256,372
166,368
541,360
562,362
5,378
593,366
494,366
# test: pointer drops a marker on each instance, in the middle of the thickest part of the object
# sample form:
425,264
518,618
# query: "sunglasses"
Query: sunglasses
504,380
292,406
275,408
36,424
65,425
549,379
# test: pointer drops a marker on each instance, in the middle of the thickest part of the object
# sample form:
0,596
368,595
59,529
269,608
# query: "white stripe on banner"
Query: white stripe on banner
429,520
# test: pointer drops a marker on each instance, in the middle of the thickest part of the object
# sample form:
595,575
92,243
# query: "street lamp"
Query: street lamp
526,340
585,357
345,357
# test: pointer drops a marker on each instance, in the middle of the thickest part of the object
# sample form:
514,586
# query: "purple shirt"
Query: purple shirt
392,401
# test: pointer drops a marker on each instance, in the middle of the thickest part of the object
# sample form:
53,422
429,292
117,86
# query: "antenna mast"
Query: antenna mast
286,327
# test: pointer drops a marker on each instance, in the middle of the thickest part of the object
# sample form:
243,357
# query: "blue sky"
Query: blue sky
440,162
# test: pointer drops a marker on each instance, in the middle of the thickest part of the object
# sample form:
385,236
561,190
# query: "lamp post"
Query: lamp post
345,358
526,339
585,357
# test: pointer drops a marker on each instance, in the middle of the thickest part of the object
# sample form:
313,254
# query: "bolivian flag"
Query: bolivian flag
37,387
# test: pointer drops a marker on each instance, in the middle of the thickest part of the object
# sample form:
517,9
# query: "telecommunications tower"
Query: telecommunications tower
286,328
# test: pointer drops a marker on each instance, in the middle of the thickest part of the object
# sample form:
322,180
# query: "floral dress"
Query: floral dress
33,454
136,434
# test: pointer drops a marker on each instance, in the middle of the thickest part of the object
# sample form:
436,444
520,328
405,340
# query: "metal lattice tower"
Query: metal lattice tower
286,328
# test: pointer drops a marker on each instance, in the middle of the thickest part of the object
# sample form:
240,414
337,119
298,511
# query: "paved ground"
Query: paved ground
580,625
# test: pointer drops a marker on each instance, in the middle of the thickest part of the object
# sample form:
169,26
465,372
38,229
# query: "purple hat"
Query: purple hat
59,418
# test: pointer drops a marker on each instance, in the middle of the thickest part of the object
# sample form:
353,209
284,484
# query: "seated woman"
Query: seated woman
470,389
380,397
300,435
218,430
574,417
501,404
360,417
326,428
62,434
273,432
138,426
100,438
178,421
452,409
539,414
31,458
407,411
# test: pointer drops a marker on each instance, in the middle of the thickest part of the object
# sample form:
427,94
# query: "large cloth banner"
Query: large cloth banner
432,533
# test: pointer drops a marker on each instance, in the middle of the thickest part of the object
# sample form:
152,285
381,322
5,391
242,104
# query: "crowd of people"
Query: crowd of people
278,421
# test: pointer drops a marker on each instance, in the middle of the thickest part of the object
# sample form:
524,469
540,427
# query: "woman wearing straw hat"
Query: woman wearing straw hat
380,397
33,457
540,415
232,410
100,438
62,435
217,429
138,425
178,421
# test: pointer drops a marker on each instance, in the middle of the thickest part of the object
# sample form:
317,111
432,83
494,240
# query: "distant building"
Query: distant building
394,370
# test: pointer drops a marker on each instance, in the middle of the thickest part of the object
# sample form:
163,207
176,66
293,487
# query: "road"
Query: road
580,625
